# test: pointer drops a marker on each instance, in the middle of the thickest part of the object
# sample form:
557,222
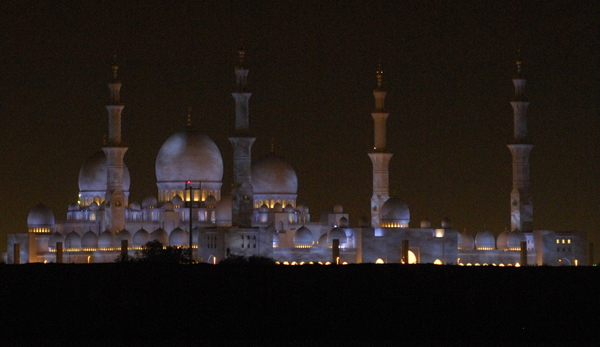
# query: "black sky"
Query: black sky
448,68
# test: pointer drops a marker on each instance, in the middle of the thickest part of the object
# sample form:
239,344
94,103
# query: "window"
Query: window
196,195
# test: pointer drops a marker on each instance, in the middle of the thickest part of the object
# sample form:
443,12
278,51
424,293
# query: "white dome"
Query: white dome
485,240
123,235
134,206
210,201
273,175
467,241
179,238
54,238
106,240
395,210
73,241
74,207
177,201
514,240
322,243
40,216
289,208
168,206
264,208
140,238
149,202
303,237
189,155
92,175
337,233
446,223
89,240
502,241
94,206
343,222
161,235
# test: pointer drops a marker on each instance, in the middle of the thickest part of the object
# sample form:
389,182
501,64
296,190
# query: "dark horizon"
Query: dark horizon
448,70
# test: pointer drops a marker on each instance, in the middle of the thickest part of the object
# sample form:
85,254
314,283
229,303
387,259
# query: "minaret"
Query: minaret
521,209
242,194
379,156
116,200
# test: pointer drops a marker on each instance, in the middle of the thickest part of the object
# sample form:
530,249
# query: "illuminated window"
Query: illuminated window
181,194
283,203
557,241
92,217
412,259
272,203
97,201
255,203
173,193
196,195
203,195
187,195
210,192
379,261
563,241
569,241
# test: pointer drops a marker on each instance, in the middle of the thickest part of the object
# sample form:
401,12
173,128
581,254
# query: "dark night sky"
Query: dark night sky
448,68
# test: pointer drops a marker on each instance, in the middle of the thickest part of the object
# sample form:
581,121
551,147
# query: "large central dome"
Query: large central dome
189,155
273,175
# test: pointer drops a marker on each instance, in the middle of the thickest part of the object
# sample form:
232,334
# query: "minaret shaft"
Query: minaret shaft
242,192
379,157
521,205
116,199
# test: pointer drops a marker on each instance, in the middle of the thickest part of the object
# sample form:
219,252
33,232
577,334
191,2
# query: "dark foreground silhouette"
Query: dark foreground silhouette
149,303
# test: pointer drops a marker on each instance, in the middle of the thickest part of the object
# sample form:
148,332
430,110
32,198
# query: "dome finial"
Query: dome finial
519,62
114,67
241,55
189,119
379,75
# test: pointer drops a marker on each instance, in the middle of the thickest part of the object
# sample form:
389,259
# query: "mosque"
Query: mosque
260,215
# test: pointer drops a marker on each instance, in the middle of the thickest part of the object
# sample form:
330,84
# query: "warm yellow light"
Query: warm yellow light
301,263
517,265
214,260
437,262
575,262
328,263
294,263
286,263
89,256
379,261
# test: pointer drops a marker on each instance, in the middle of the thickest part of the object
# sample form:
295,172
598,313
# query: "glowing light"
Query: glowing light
517,265
286,263
89,256
337,260
575,262
294,263
45,261
328,263
214,260
437,262
379,261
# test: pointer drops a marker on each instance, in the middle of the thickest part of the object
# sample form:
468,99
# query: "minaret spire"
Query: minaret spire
379,157
243,193
521,201
116,197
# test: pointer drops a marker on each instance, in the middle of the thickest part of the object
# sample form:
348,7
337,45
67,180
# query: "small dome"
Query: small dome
277,207
123,235
467,241
337,233
177,201
161,235
322,241
168,206
134,206
93,176
73,241
514,240
395,210
140,238
94,206
425,224
273,175
303,209
264,208
446,223
502,241
484,240
89,240
106,239
40,216
224,209
210,201
54,238
303,237
189,155
338,209
179,238
343,222
289,208
74,207
149,202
